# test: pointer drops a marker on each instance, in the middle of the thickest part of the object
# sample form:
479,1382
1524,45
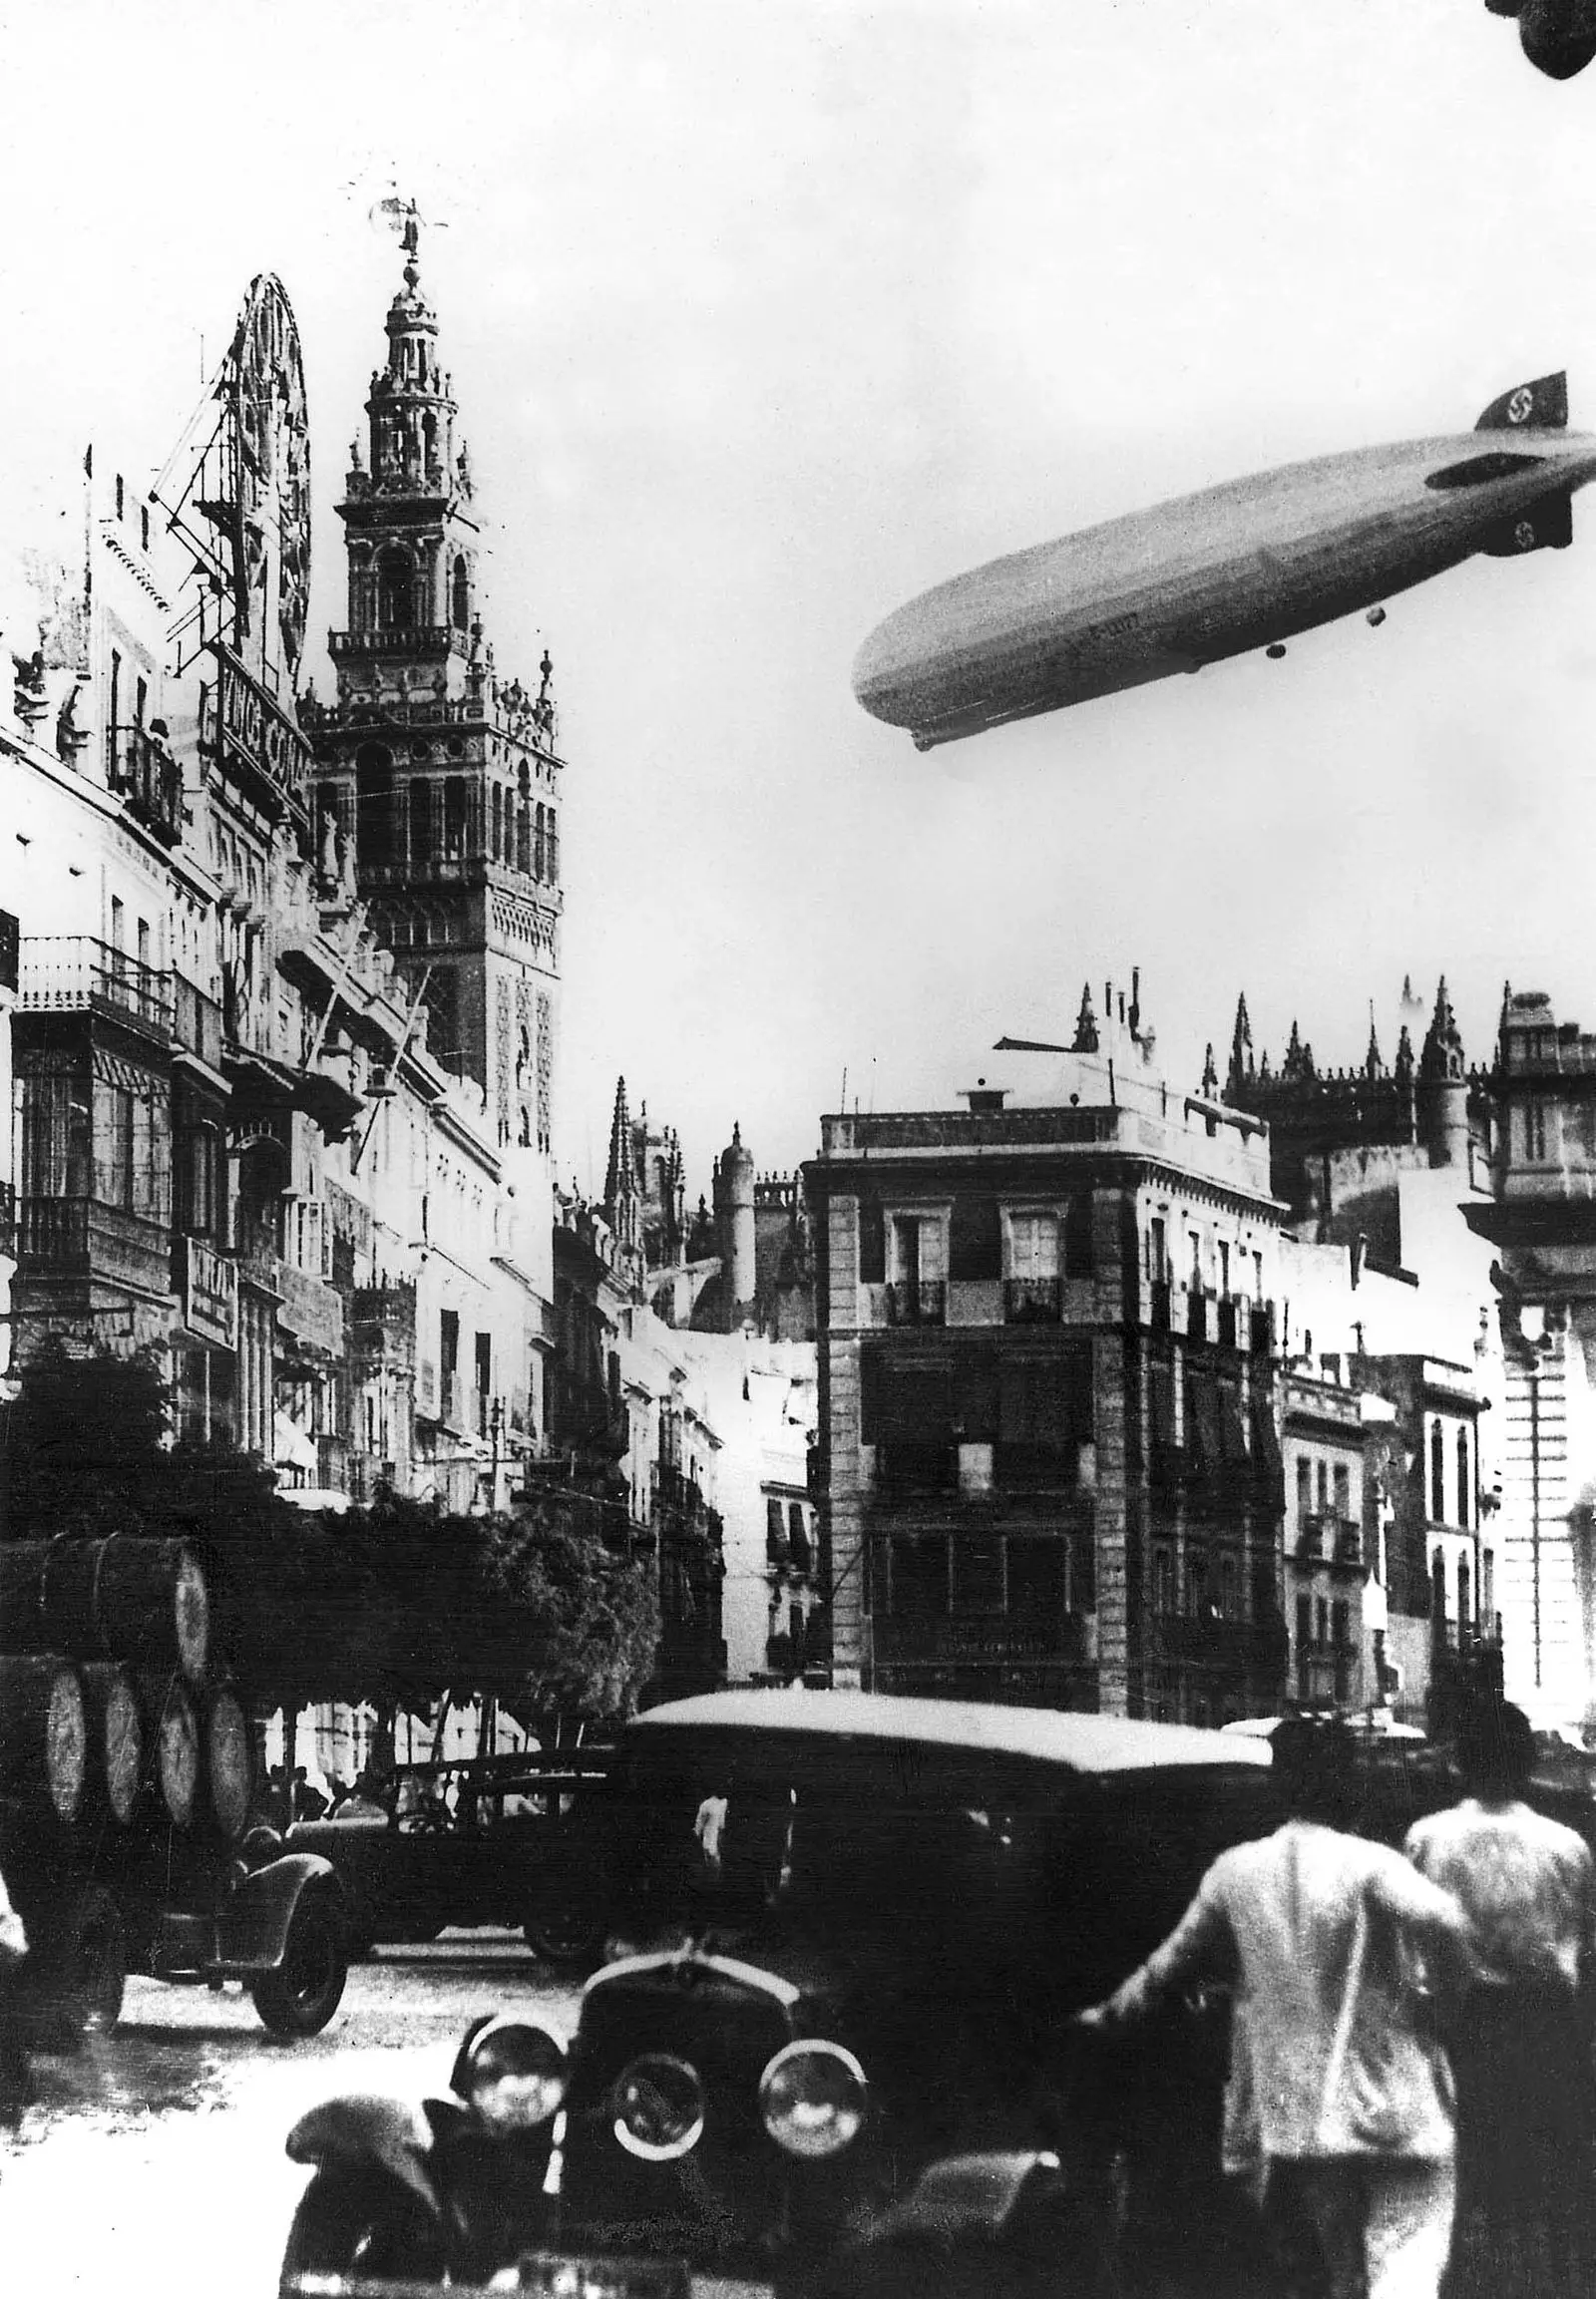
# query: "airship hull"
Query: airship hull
1234,568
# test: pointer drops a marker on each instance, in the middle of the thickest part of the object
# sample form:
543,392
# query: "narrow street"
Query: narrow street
154,2164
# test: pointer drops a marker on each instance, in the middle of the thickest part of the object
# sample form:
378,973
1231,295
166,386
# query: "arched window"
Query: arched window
498,822
538,848
1463,1606
393,591
1464,1479
460,596
524,825
1438,1475
552,849
1163,1582
454,815
374,816
421,831
1438,1597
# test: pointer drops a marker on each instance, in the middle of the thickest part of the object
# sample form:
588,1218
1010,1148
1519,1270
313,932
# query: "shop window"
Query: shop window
1039,1579
920,1577
977,1574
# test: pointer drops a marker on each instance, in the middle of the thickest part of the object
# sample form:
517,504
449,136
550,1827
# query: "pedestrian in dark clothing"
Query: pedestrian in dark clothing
1338,2109
1520,2034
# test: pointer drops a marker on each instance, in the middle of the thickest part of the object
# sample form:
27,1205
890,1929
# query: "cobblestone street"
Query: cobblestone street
154,2164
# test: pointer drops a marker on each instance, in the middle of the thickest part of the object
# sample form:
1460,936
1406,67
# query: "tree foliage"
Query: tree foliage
390,1603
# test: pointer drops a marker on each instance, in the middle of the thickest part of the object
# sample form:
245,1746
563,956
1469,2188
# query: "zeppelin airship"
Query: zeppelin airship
1245,565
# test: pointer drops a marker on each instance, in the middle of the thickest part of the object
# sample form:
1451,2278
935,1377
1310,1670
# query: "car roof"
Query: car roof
1085,1743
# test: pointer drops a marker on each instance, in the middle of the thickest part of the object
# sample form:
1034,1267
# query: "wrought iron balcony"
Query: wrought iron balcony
146,777
74,974
1032,1300
196,1022
916,1301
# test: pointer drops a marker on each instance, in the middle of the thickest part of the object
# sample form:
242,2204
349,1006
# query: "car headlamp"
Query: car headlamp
813,2098
658,2104
511,2075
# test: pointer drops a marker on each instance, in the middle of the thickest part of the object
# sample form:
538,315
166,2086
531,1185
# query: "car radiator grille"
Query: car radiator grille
726,2198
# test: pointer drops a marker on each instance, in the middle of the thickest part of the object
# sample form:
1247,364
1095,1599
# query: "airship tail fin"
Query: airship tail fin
1541,405
1545,526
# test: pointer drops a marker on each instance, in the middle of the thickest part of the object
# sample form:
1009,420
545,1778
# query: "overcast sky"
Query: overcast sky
763,318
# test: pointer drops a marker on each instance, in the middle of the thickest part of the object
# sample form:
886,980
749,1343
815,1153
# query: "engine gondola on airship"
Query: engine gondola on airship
1245,565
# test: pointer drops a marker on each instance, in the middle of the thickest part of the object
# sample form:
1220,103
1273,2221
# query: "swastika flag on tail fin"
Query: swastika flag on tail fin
1541,405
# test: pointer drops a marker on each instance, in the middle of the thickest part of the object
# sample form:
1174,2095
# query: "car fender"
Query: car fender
967,2198
364,2132
253,1921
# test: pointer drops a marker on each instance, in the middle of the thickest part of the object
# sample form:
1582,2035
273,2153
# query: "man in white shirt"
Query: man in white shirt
1521,2035
1339,2107
16,2084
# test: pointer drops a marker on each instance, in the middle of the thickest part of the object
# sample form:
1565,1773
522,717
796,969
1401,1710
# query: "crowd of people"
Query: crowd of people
1411,2105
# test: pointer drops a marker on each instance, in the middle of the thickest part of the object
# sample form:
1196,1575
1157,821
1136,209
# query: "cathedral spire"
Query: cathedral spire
1241,1073
1086,1040
1374,1065
1297,1065
1210,1085
623,1199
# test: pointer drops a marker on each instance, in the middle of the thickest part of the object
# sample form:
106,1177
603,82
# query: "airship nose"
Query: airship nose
882,669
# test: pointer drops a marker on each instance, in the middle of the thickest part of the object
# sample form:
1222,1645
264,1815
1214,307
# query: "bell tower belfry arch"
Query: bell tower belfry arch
442,778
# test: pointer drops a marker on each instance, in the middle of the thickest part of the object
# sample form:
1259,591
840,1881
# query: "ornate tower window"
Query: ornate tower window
460,594
393,590
374,817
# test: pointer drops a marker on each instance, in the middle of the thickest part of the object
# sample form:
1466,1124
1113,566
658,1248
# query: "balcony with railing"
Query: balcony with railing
196,1022
916,1301
75,1238
75,973
419,639
149,781
1033,1301
309,1313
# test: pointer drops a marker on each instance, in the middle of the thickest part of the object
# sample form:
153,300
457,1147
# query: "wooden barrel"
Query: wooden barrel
44,1737
123,1598
226,1759
172,1746
116,1739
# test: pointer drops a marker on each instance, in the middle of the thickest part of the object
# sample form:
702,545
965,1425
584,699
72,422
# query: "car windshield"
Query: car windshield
884,1844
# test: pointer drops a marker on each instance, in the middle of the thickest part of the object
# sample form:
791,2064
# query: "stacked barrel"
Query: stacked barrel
125,1760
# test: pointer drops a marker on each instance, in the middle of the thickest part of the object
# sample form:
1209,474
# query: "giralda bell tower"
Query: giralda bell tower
442,777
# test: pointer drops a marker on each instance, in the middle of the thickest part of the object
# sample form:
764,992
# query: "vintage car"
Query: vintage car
848,1935
480,1842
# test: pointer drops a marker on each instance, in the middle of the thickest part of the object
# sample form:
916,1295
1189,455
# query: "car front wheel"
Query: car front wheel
300,1997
